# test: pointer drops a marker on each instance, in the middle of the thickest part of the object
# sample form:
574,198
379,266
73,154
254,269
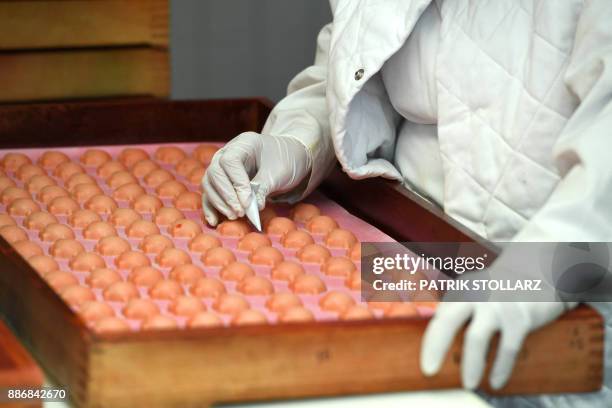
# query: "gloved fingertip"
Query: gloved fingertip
430,365
497,380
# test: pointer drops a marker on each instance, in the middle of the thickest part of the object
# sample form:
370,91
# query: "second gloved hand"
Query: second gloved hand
513,320
277,164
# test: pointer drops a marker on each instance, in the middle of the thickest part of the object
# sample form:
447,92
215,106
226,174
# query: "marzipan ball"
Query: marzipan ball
79,178
336,301
23,207
83,218
83,192
159,322
27,171
255,286
120,178
92,311
279,302
102,278
87,262
303,212
6,219
10,194
236,271
296,239
109,168
248,317
66,170
208,288
313,253
338,266
145,276
230,304
12,161
186,306
170,189
51,159
140,309
172,257
185,229
98,230
121,292
43,264
167,215
188,201
203,242
308,285
218,257
297,314
35,184
76,295
39,220
53,232
66,248
6,182
205,152
155,178
196,175
95,158
321,224
252,241
356,312
131,155
27,248
147,204
205,320
187,165
235,229
268,256
187,274
355,252
12,233
59,280
144,167
155,244
166,289
287,271
112,246
169,154
129,192
101,204
124,217
131,260
141,229
400,309
63,206
280,226
353,281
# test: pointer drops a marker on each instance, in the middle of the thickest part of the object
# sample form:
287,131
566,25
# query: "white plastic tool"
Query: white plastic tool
252,211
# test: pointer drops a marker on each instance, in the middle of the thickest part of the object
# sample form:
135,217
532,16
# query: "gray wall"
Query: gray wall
233,48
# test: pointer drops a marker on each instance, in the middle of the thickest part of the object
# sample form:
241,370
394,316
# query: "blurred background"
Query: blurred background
57,50
229,48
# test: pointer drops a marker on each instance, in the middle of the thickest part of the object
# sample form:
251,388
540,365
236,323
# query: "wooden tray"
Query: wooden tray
198,367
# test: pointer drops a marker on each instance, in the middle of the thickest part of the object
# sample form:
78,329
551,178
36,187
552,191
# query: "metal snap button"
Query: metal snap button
359,74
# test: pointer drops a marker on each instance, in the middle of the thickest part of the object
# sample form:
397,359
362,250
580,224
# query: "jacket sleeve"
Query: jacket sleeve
303,115
580,208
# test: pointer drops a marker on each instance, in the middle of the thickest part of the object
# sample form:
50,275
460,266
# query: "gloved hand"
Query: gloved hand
514,320
277,164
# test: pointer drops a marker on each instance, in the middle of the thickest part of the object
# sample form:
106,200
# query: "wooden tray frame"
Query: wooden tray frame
200,367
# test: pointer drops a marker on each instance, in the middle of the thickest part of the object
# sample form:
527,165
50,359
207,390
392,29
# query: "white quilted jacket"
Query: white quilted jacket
524,91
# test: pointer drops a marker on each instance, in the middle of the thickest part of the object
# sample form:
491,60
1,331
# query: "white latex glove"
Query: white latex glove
514,320
277,164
